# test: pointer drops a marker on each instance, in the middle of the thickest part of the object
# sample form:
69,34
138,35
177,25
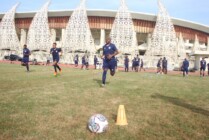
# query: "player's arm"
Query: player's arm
114,54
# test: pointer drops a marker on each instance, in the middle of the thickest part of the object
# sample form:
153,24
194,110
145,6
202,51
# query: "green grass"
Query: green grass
39,106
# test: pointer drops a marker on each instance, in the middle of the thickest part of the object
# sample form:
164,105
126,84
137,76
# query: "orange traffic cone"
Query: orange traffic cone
121,117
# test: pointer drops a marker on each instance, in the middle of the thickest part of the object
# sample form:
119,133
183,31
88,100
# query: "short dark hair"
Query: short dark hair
55,43
25,45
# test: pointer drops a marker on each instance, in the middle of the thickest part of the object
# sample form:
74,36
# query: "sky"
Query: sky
191,10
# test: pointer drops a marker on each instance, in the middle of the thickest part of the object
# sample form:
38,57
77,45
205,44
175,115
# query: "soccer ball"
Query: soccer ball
98,123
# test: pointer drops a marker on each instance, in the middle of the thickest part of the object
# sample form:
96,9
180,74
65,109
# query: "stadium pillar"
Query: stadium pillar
53,35
23,37
197,62
102,37
149,39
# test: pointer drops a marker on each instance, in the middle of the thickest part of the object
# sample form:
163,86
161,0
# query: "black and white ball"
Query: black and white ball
98,123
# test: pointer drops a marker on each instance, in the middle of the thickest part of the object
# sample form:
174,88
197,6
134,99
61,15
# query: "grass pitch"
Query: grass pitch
39,106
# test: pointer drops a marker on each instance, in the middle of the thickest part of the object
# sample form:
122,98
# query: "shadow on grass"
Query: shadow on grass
99,82
181,103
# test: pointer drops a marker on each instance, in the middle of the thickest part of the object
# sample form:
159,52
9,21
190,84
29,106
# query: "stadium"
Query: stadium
72,100
192,39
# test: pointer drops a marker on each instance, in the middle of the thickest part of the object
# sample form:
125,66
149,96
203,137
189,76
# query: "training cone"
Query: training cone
121,117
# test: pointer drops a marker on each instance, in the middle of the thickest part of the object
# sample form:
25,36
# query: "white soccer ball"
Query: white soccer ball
98,123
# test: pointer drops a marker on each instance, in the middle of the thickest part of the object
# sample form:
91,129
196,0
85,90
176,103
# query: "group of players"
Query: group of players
110,61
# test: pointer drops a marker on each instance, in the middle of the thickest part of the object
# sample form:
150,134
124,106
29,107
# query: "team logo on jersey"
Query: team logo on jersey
109,47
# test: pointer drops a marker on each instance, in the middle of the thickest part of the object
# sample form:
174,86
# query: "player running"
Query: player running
109,62
56,57
25,60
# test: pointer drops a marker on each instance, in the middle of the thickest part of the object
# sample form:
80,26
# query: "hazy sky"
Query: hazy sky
192,10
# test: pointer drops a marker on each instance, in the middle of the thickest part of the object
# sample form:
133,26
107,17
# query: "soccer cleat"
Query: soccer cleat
103,85
55,73
60,70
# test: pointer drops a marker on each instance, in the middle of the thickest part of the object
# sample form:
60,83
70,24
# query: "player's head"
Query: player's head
54,45
108,40
25,46
203,58
164,58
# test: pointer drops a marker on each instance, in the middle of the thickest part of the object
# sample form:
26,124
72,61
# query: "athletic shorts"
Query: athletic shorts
25,59
76,62
203,68
109,64
56,59
165,68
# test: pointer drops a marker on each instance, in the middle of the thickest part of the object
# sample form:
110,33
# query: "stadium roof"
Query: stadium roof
109,13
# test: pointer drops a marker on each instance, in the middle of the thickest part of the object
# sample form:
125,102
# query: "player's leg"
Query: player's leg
104,76
55,67
200,71
187,71
203,72
27,66
112,65
183,72
56,64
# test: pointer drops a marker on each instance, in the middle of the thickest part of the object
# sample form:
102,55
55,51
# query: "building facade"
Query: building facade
195,37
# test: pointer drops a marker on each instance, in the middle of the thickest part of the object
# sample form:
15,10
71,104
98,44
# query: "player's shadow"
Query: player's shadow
99,82
181,103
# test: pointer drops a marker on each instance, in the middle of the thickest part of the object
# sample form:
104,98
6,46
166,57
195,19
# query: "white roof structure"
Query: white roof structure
39,37
78,35
123,34
8,35
112,13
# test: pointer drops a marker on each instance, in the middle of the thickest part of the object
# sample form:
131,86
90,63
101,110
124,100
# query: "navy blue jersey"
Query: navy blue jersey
165,63
55,52
208,65
203,64
109,49
95,60
159,63
137,59
142,63
126,61
26,52
76,58
133,61
83,60
185,64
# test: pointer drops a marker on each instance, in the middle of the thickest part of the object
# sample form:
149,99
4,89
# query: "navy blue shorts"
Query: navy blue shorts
126,65
109,64
76,62
56,59
202,68
25,59
185,70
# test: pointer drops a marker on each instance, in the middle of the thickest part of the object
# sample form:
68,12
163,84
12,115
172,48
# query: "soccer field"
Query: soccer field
39,106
